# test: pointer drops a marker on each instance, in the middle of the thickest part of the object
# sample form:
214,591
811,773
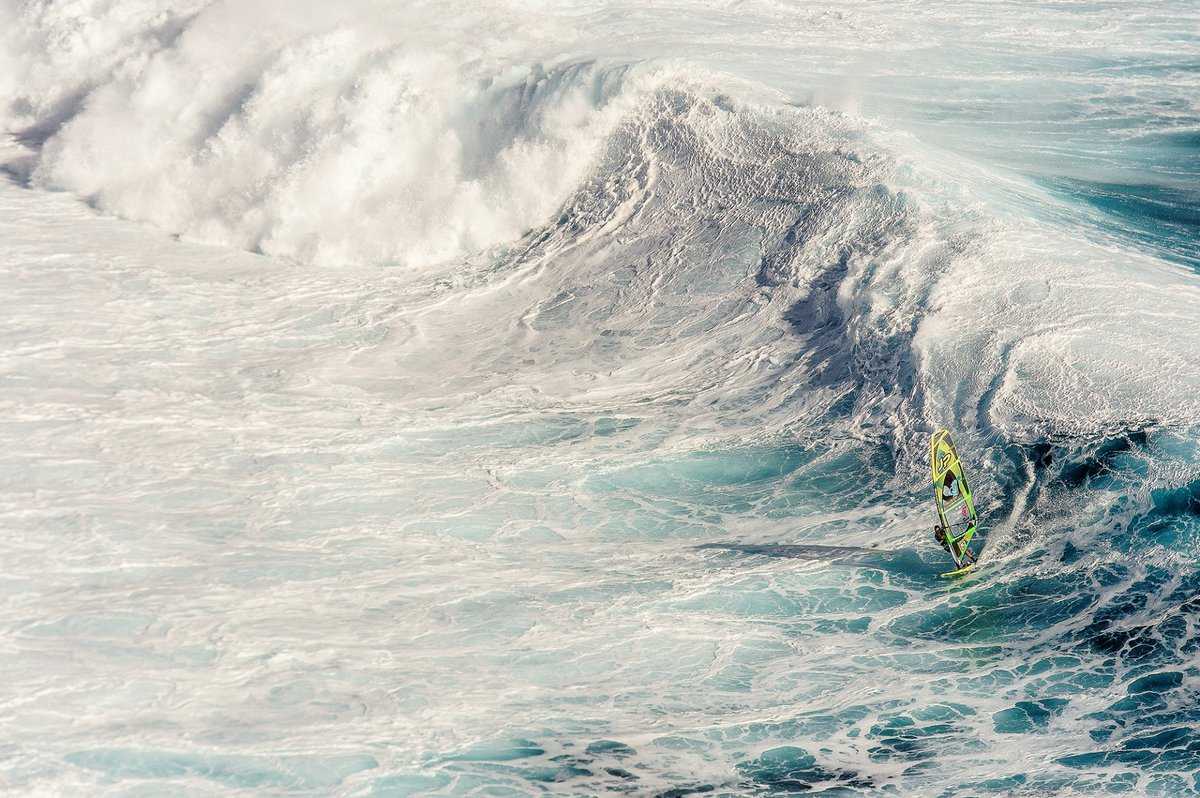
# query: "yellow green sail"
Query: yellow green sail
952,495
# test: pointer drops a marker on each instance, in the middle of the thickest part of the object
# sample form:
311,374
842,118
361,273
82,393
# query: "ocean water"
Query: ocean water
411,399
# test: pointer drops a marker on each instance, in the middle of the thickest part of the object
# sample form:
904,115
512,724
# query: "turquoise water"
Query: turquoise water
401,400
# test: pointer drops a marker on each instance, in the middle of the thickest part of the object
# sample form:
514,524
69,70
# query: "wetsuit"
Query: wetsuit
939,534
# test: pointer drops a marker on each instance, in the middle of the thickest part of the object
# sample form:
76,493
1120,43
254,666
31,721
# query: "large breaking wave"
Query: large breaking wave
566,319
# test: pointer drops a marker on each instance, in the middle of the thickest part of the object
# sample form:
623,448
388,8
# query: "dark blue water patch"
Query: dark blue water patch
609,748
1148,703
1033,602
826,722
515,765
1070,554
1048,784
1165,219
1169,517
1164,531
789,769
603,766
1121,783
1170,152
1047,472
1001,611
1156,682
1096,462
682,792
1168,749
843,348
818,317
1153,726
1161,638
917,737
1004,784
1027,716
1143,515
1183,500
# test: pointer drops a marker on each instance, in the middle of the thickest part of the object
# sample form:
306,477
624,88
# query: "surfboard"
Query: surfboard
960,571
952,495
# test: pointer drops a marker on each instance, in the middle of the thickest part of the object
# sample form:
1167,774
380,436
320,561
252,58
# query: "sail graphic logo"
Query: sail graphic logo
944,460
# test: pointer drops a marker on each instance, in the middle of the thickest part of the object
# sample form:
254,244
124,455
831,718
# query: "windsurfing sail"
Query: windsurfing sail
952,495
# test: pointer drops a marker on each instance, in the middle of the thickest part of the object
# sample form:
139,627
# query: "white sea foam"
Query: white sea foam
319,136
376,132
406,504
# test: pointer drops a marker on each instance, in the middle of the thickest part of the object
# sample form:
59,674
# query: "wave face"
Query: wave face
409,400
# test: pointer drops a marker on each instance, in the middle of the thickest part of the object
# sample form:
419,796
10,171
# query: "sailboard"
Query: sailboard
952,494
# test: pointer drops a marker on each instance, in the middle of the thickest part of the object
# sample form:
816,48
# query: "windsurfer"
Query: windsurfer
939,534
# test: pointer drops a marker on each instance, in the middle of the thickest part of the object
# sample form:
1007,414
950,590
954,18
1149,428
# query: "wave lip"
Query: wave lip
342,136
386,163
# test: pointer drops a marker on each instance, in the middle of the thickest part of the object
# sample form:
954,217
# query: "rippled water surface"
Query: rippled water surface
405,399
